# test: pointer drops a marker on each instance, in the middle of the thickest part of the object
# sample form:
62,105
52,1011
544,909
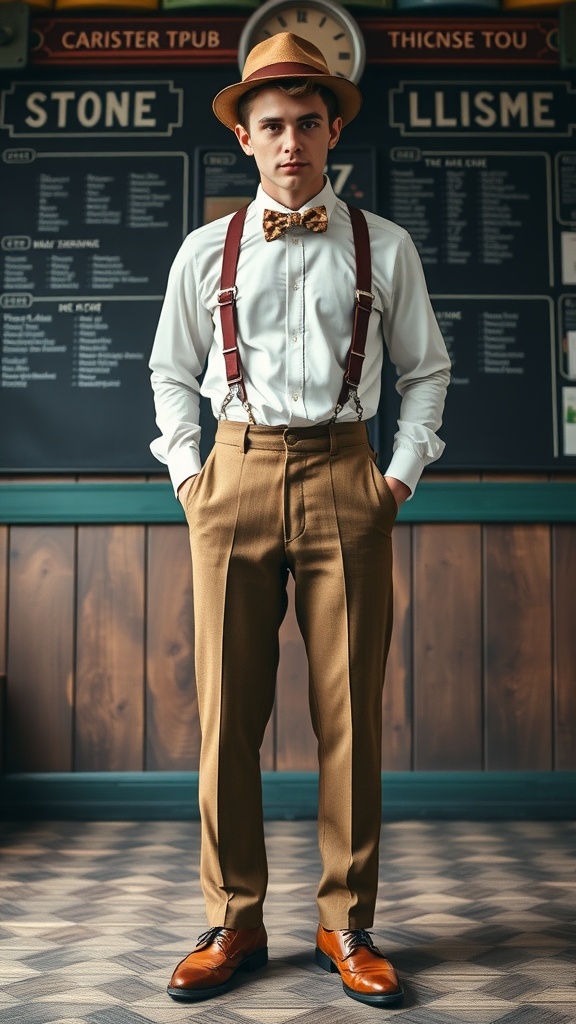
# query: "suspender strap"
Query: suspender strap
227,302
362,307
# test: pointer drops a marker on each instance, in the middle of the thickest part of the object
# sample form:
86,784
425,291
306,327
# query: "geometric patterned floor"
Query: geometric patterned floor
479,919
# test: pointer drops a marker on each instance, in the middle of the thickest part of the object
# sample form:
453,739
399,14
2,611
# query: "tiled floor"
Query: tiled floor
478,918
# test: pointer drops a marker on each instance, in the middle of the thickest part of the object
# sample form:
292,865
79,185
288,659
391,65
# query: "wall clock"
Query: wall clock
323,22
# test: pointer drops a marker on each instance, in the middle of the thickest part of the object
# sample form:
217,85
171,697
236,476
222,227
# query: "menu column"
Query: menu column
83,267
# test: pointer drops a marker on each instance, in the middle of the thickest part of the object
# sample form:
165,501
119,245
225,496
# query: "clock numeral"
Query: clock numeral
322,21
342,172
341,35
344,55
302,16
282,21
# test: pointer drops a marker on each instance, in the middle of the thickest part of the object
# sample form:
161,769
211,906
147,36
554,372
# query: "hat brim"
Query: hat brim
349,97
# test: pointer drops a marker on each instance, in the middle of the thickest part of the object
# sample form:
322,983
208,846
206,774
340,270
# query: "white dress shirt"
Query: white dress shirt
294,306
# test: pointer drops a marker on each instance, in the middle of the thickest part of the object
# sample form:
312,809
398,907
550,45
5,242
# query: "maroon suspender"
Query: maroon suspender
227,303
362,309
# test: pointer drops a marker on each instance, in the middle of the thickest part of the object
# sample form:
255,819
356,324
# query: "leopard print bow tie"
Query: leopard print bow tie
276,223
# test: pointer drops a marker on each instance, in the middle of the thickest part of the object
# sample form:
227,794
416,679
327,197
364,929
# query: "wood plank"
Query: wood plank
518,655
397,696
564,563
447,648
110,649
296,744
2,722
3,594
3,636
173,728
40,648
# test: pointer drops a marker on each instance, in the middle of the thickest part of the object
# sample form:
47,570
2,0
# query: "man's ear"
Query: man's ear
244,139
335,129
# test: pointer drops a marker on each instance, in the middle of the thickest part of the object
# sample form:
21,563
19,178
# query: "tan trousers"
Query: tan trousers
311,502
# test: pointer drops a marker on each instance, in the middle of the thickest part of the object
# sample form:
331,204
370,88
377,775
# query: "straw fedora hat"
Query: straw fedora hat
286,55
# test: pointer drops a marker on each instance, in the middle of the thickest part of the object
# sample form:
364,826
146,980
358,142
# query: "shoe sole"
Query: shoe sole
327,964
194,995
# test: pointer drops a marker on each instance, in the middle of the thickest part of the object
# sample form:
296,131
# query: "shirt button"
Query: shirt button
296,287
295,241
294,337
295,398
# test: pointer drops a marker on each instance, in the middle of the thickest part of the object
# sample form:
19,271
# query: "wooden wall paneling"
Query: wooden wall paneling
564,569
397,696
40,648
3,629
518,652
3,595
110,649
172,725
447,647
2,722
296,744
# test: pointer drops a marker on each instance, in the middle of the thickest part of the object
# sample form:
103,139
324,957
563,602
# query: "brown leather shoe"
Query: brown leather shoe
366,973
209,970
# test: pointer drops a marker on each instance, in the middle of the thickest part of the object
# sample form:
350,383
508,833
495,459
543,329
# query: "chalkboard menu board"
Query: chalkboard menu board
103,174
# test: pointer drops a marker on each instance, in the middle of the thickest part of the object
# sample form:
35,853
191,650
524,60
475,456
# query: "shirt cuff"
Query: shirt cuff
183,464
407,467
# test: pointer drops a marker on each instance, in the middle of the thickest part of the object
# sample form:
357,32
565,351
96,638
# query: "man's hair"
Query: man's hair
297,87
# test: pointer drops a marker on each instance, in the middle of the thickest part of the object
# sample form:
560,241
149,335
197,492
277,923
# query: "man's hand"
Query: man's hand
400,491
184,488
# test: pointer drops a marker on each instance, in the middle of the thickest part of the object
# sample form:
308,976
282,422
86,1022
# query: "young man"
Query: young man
291,486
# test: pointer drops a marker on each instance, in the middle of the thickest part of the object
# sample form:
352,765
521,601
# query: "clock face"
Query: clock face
322,22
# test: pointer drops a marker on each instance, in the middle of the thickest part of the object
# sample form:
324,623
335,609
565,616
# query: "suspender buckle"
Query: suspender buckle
360,294
227,296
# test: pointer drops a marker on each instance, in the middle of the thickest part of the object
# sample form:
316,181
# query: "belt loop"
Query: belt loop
243,445
333,439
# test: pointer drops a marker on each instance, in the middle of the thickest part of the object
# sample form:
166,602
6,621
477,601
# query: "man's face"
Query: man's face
289,137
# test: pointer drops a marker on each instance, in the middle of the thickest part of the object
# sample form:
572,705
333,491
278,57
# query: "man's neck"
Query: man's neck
288,198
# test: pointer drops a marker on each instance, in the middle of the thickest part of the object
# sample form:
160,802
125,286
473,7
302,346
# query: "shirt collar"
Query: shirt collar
325,198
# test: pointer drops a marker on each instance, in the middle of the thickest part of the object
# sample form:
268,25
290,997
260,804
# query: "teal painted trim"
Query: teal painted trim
55,503
457,502
158,796
476,502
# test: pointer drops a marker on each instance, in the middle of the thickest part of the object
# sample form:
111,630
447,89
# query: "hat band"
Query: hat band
283,69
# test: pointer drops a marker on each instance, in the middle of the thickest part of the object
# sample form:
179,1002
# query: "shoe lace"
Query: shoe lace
212,935
357,937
